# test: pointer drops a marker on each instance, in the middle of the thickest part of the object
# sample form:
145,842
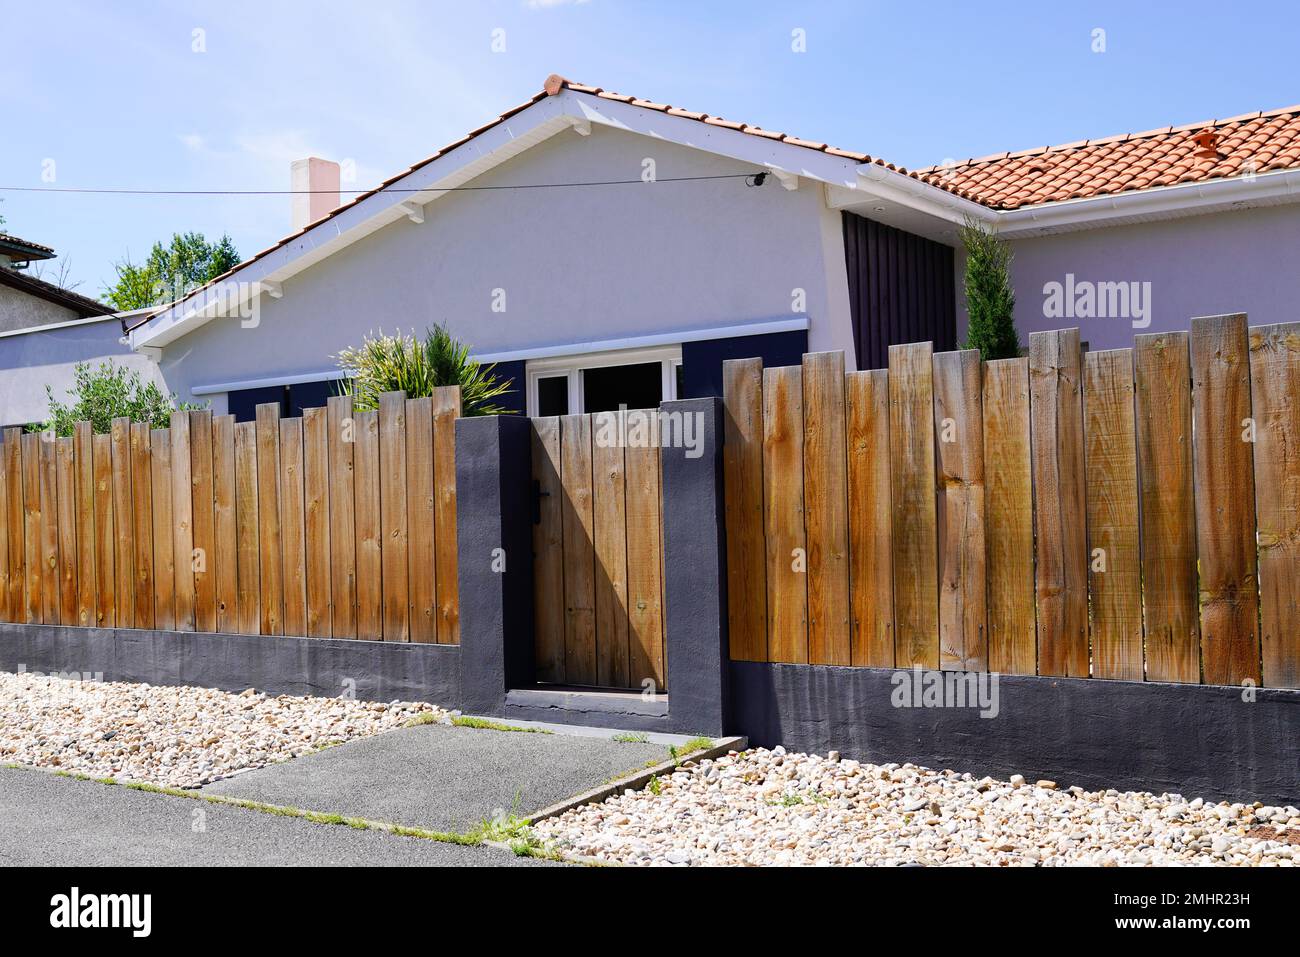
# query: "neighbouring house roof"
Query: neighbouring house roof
1003,182
1172,155
83,306
22,250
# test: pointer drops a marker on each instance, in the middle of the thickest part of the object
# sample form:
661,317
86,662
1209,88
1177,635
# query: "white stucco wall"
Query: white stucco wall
1246,261
31,361
576,265
21,310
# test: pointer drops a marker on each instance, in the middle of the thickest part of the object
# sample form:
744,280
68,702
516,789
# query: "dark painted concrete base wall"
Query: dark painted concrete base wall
369,670
1195,740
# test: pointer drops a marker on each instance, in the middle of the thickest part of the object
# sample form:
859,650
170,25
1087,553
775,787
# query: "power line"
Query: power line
753,179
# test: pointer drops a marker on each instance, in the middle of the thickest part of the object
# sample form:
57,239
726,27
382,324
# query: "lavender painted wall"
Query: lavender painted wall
1244,261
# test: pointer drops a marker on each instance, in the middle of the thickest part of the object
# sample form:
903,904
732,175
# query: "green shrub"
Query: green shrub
990,300
100,395
401,364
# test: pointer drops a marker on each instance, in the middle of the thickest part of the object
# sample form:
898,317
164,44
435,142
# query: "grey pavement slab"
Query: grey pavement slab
441,777
48,820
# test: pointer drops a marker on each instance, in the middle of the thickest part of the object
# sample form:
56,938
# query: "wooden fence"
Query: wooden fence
598,558
1129,514
329,525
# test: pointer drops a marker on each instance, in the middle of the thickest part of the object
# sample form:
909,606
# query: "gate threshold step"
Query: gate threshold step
589,700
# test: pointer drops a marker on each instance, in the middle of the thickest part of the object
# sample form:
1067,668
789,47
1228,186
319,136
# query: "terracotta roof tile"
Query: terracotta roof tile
1266,141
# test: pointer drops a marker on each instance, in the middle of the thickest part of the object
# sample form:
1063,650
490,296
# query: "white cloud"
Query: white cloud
545,4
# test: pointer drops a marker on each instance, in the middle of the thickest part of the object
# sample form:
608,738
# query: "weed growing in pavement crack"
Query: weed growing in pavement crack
680,752
463,721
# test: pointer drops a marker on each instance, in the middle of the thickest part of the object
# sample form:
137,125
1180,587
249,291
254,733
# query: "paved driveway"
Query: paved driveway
47,820
442,778
434,777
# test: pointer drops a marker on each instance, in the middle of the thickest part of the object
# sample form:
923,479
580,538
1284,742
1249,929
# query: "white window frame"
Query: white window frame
669,358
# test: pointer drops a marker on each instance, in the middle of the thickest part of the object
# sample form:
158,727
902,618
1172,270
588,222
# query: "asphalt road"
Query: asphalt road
47,820
442,778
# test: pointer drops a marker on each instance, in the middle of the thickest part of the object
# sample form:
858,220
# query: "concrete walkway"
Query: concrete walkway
48,820
433,777
442,778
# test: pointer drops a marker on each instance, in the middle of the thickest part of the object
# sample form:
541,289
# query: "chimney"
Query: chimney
315,185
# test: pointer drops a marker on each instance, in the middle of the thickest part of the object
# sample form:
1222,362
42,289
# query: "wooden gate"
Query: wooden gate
598,560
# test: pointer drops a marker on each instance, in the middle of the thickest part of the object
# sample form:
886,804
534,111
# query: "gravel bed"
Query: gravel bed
176,736
770,807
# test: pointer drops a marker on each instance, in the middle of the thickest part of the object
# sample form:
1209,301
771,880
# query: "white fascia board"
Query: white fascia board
793,324
1188,197
215,387
50,326
490,148
892,186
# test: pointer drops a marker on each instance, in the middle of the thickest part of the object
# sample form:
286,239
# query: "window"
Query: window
603,382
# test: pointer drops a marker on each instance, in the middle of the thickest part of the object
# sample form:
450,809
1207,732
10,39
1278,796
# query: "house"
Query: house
45,330
604,249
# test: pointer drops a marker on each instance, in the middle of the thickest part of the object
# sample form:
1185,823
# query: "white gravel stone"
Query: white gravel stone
772,807
175,736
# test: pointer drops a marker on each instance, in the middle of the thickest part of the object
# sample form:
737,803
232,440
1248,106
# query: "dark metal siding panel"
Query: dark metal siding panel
702,361
901,289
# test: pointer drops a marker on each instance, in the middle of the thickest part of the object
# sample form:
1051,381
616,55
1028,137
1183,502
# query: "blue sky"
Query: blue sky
116,96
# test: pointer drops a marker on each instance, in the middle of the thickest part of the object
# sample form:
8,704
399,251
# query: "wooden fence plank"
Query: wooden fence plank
248,592
1056,427
395,553
644,551
270,543
49,531
1009,518
65,475
1275,401
182,522
871,565
13,465
203,519
315,472
105,536
123,522
370,609
783,509
293,536
32,530
742,390
164,563
1162,377
343,538
826,508
142,530
548,552
1115,557
5,614
1224,471
911,459
421,571
83,442
225,527
609,529
959,460
579,550
446,409
66,496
